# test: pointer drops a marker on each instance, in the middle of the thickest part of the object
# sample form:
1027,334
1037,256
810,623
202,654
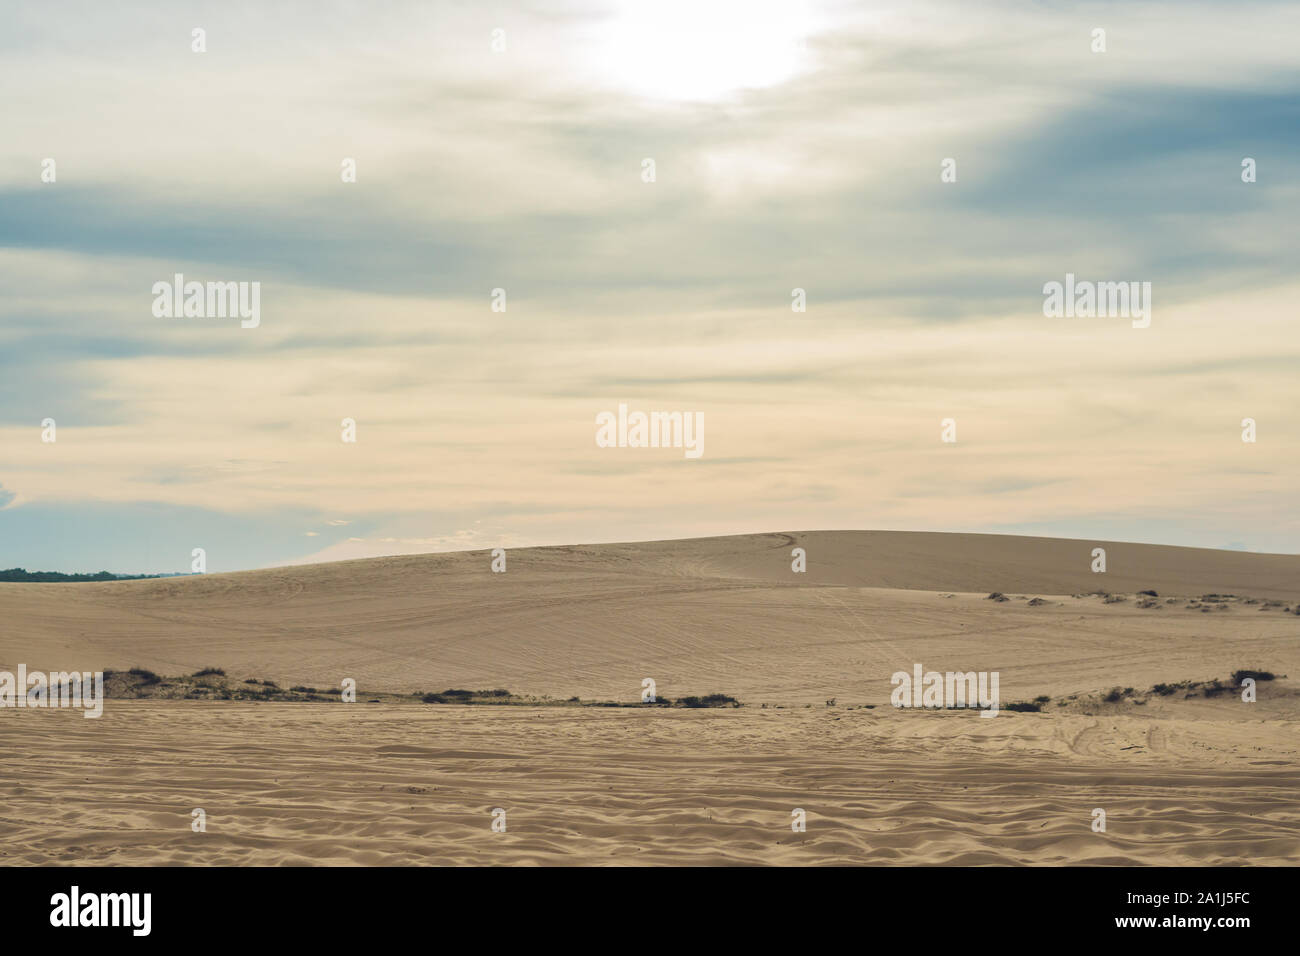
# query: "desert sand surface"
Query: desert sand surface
1183,778
350,784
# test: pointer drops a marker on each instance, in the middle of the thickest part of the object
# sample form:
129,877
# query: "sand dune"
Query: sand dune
1182,779
703,615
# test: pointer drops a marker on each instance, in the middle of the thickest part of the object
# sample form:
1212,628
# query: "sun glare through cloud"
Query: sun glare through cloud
688,51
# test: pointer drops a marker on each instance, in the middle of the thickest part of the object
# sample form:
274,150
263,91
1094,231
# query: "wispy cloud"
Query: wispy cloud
522,170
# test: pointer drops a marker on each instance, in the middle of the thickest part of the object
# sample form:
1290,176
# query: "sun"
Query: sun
684,50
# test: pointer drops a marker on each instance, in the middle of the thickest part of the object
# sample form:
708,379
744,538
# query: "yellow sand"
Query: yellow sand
1181,780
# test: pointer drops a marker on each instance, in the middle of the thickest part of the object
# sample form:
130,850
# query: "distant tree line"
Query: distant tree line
21,574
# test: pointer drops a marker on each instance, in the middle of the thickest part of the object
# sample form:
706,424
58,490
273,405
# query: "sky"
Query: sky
794,145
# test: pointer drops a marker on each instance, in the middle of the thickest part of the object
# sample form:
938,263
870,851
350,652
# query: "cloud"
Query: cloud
522,171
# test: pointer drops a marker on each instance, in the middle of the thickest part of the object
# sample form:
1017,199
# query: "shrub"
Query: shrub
458,695
1238,676
709,700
